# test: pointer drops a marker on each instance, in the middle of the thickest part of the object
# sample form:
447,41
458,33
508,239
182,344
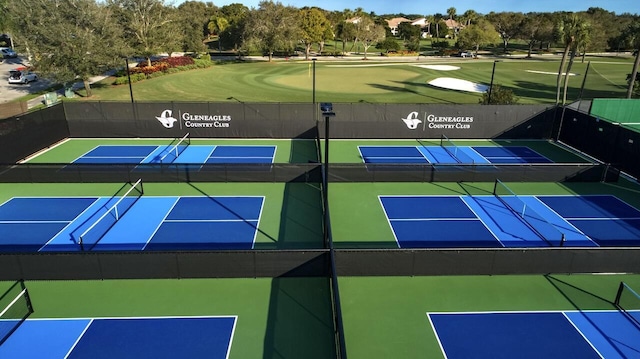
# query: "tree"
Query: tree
313,26
145,25
192,19
407,31
499,96
533,29
388,44
69,40
272,27
479,34
346,31
470,16
570,29
634,84
451,12
216,25
508,25
442,29
368,33
435,21
231,36
633,37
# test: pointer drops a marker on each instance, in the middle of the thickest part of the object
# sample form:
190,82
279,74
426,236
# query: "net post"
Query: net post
27,298
616,302
562,240
495,186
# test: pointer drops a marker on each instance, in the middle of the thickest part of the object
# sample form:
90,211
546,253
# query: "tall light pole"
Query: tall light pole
314,82
327,112
313,92
491,85
126,61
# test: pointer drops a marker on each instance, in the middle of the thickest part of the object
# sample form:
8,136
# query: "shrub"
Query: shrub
177,61
134,78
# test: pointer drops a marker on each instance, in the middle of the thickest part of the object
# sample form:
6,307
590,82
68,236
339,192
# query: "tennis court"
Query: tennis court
129,221
509,220
187,318
551,316
180,154
145,337
540,334
450,154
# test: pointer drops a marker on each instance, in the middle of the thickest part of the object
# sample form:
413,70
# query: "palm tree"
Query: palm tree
581,41
470,16
633,34
569,29
451,12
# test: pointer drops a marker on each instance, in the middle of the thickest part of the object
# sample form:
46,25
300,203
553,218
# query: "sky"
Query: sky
426,7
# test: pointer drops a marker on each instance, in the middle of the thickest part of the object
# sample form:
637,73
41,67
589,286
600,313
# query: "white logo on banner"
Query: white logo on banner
167,119
412,120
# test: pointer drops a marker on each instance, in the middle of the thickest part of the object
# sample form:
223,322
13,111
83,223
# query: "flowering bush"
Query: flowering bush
177,61
161,67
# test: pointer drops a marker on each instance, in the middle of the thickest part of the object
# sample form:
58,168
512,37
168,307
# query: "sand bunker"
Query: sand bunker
440,67
550,73
457,84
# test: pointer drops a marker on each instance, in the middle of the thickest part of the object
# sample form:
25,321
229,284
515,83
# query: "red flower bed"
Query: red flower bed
161,65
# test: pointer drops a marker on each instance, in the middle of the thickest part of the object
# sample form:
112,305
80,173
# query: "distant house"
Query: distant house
395,22
453,26
424,26
354,20
421,22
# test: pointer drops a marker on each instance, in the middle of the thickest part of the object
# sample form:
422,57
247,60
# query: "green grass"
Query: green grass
372,81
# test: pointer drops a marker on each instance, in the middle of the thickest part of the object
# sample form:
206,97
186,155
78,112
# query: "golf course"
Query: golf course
378,80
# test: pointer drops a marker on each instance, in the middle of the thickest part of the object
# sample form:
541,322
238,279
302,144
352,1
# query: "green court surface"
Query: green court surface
287,151
358,220
346,151
277,318
291,217
385,317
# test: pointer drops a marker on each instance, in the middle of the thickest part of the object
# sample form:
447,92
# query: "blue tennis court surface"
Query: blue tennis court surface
492,222
459,154
193,154
29,224
535,335
139,338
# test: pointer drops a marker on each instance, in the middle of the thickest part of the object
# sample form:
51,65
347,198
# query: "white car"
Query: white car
22,77
7,53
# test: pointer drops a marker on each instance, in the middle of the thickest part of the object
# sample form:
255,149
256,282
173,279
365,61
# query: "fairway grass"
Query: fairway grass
376,81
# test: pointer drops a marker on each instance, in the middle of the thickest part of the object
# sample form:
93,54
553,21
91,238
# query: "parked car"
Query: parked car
8,53
22,76
464,54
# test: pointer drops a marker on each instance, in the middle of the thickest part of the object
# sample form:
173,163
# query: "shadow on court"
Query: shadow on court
301,212
300,322
580,298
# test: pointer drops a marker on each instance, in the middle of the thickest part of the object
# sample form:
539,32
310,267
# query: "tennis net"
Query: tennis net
16,307
533,219
455,151
175,150
108,219
628,301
